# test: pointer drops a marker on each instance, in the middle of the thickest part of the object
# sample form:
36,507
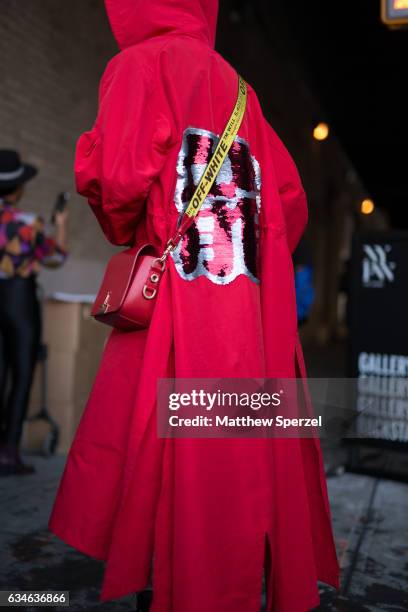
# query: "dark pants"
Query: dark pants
20,333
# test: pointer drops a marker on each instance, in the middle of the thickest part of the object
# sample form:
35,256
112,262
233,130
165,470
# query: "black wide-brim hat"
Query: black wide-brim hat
13,172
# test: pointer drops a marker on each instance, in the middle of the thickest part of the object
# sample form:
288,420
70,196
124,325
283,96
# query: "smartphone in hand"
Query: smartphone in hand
60,204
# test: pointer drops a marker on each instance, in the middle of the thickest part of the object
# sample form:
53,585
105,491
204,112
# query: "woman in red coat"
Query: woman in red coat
203,514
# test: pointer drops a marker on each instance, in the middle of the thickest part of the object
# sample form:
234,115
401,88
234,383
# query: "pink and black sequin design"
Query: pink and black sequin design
222,243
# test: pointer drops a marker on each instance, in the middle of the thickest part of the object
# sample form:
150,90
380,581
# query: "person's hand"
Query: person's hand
61,218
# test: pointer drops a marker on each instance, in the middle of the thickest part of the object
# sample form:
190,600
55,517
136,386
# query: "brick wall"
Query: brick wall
52,55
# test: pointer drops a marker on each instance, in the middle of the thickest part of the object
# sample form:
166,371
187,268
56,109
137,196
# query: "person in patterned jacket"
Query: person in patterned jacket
24,248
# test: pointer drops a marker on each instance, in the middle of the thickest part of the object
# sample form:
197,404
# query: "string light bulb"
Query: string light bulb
367,206
321,131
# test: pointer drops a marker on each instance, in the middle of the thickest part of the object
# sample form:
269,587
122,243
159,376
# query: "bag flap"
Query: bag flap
117,279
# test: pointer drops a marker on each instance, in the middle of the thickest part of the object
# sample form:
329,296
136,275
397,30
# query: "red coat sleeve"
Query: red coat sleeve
291,191
117,161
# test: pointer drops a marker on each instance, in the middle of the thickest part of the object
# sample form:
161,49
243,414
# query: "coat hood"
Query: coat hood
134,21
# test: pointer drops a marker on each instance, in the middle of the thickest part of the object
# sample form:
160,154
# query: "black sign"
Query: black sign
378,345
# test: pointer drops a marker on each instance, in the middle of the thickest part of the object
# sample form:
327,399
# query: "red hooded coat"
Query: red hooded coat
205,510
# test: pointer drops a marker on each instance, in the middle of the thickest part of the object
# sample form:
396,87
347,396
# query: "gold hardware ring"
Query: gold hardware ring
149,296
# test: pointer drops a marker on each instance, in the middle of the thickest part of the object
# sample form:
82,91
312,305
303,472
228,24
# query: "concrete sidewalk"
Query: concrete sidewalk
370,522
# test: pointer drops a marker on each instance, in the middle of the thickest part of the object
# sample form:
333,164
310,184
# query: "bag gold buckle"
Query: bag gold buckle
149,296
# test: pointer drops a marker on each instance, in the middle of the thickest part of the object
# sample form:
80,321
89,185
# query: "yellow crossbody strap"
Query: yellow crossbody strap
212,169
221,152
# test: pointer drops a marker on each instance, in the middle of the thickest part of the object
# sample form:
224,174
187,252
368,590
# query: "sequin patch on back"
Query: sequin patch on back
223,240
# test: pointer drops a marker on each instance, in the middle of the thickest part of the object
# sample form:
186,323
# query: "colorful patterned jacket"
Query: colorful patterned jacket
24,243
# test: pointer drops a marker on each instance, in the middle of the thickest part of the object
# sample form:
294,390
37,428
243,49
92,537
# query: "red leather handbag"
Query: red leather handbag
128,292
